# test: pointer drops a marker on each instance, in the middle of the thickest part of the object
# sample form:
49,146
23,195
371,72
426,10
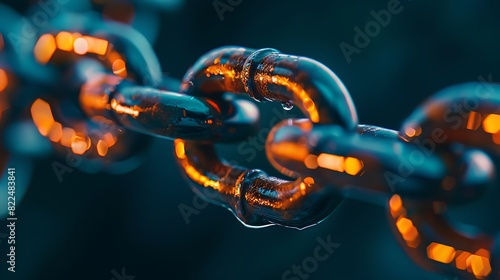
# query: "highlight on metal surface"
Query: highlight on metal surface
462,115
172,115
254,197
67,44
98,63
267,75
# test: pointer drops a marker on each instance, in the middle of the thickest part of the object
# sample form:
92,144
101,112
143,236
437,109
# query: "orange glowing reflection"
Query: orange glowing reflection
413,130
404,225
479,265
353,166
292,151
80,144
64,41
309,180
102,148
179,149
440,252
45,48
408,231
395,205
491,123
90,98
349,165
201,179
113,56
119,68
42,116
96,45
461,259
474,121
55,133
214,105
410,132
496,138
47,44
81,46
298,91
311,161
483,253
110,139
4,80
221,69
228,73
191,171
67,136
332,162
122,109
303,188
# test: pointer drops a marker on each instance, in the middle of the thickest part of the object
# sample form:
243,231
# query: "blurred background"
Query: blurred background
109,226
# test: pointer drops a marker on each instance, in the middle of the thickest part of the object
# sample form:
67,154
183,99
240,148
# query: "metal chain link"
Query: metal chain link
97,90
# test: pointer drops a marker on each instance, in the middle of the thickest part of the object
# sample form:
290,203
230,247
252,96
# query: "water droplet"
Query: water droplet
287,105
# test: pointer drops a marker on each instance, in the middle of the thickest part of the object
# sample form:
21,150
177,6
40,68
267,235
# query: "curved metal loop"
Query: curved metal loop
152,109
373,159
254,197
457,117
468,114
95,50
267,75
172,115
90,35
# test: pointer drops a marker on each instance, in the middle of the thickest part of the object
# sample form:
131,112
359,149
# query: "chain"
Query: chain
97,91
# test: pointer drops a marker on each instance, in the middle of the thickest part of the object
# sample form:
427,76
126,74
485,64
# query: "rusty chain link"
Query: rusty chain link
97,90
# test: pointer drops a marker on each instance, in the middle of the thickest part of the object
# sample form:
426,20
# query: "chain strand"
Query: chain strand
97,91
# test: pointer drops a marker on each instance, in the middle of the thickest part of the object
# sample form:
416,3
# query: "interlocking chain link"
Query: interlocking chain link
96,90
